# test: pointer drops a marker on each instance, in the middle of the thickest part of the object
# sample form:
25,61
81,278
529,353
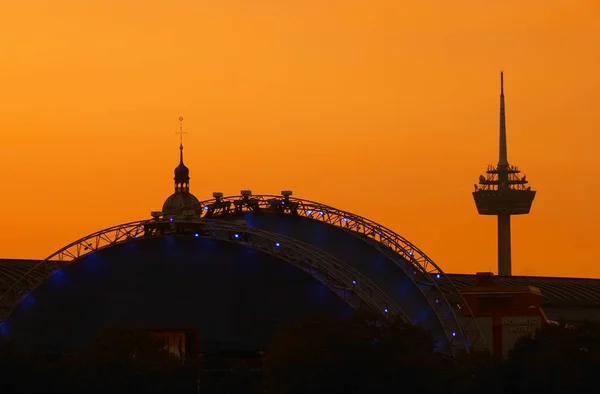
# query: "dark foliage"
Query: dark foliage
354,355
558,359
358,354
117,361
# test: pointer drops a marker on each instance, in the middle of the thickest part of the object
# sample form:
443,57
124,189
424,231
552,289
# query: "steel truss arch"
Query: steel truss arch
348,283
448,304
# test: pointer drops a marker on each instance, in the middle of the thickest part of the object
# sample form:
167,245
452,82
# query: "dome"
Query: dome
182,173
179,200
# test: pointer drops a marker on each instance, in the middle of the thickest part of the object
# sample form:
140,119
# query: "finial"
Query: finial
501,84
181,132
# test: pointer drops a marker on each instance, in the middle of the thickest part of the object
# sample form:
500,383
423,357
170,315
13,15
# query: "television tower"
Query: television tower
502,192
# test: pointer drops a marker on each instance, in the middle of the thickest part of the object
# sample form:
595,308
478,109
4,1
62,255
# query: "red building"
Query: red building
504,313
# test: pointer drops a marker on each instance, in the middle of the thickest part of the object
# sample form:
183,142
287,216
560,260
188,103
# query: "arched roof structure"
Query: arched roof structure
230,219
556,291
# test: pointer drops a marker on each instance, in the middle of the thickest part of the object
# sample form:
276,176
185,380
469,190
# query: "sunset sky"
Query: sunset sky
388,109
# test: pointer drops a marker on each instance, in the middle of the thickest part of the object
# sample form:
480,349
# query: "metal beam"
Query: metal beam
348,283
461,331
462,334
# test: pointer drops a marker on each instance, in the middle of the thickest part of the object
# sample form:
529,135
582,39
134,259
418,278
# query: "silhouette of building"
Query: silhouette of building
502,192
181,197
231,270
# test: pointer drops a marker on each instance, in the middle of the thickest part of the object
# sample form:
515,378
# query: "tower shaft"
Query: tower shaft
504,249
504,252
502,192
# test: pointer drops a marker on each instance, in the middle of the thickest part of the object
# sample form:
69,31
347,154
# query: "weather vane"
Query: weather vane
181,132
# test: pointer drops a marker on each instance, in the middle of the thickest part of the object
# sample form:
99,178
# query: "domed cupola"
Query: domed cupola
181,200
182,174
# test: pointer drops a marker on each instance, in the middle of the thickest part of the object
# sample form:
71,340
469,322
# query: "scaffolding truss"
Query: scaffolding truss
452,311
204,220
348,283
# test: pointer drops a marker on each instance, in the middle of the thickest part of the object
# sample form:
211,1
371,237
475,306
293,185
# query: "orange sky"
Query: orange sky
388,109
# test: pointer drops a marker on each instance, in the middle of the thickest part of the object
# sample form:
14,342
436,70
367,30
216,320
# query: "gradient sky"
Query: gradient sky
388,109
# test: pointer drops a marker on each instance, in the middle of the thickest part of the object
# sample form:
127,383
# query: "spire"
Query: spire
181,133
503,157
182,173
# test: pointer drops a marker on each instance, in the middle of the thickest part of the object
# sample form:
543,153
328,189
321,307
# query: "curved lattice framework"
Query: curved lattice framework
461,334
13,271
348,283
447,305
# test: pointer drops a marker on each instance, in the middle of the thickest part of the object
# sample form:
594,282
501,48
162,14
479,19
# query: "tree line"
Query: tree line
358,354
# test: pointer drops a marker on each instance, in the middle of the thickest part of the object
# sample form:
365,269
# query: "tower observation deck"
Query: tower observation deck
503,192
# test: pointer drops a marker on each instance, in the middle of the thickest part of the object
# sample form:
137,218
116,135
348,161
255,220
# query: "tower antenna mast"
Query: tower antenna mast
502,192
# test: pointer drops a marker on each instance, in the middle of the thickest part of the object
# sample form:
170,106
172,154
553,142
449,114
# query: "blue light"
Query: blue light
453,334
236,235
385,310
283,203
206,208
437,301
309,212
171,219
135,236
345,219
437,276
321,213
277,244
196,235
353,282
27,300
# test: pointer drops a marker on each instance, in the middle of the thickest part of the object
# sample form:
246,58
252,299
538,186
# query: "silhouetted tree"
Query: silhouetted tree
124,361
21,370
359,354
558,358
476,372
238,380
